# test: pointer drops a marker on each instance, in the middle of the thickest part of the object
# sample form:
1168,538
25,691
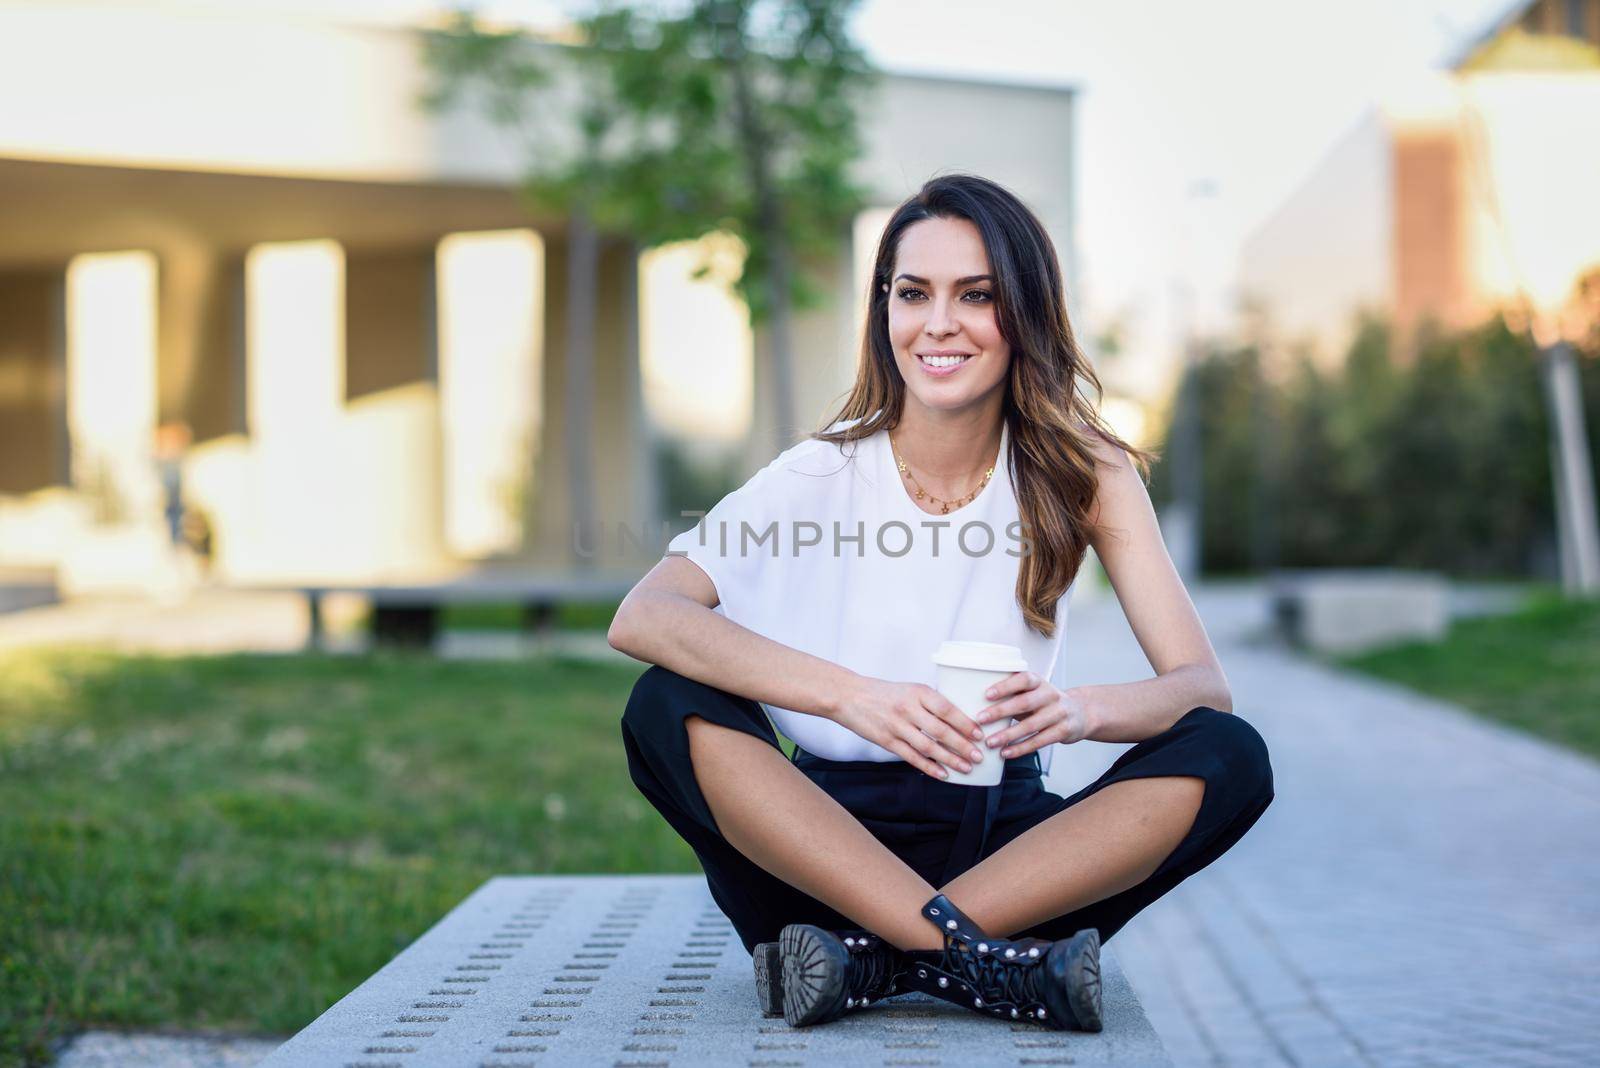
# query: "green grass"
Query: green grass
237,842
1537,669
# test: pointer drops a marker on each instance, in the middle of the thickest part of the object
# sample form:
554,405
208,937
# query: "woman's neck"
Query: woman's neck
948,452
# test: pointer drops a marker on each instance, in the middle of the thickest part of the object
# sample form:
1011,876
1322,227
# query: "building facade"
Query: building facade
1468,190
240,266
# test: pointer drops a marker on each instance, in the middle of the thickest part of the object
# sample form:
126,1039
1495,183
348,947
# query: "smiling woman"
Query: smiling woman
969,412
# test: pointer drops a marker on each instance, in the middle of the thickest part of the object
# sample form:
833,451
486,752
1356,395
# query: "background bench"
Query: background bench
1348,610
407,614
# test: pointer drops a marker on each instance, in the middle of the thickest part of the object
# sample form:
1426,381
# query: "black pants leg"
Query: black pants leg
916,816
1218,747
757,903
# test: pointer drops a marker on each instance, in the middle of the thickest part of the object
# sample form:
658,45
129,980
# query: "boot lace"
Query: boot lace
998,980
869,969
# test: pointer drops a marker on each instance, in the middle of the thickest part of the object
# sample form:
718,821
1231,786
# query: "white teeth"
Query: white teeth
944,361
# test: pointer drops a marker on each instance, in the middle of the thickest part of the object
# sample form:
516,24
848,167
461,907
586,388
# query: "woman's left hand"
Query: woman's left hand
1043,713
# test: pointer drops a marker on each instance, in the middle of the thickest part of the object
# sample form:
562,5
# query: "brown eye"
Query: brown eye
909,293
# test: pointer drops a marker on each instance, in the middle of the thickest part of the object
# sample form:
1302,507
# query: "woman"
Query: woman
953,497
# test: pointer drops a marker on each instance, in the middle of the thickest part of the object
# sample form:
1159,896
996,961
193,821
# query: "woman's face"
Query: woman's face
941,304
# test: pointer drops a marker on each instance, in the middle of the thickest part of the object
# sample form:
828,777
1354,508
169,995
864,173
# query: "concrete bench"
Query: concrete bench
646,972
22,588
407,614
1349,610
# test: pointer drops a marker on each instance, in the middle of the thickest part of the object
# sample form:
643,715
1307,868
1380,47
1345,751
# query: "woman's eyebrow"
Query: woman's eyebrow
959,281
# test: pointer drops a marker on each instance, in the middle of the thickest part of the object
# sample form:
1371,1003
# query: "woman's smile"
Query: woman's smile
942,363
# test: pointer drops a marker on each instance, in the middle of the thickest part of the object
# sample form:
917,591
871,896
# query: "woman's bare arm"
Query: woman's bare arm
667,619
1158,608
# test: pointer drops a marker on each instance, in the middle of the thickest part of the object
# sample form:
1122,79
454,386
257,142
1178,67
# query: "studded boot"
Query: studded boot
1056,984
812,976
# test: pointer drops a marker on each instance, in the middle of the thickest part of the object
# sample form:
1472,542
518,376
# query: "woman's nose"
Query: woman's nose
941,322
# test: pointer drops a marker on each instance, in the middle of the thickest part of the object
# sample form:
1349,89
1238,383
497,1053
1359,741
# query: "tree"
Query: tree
702,116
1436,461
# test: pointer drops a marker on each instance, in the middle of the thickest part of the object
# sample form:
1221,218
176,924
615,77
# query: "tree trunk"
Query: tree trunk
769,221
779,333
582,274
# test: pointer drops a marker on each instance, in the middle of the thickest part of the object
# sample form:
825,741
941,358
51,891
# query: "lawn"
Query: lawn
1537,669
237,842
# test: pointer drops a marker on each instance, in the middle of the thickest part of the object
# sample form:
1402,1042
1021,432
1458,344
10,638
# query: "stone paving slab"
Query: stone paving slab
646,972
1421,892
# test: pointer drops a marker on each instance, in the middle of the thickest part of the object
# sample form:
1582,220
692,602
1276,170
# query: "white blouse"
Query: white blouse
825,551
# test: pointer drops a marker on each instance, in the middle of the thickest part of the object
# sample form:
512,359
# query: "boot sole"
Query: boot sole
1075,979
814,970
768,962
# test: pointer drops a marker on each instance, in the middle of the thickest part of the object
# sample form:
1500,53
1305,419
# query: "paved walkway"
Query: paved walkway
1423,891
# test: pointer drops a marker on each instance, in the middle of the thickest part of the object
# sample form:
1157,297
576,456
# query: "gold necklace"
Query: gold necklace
944,505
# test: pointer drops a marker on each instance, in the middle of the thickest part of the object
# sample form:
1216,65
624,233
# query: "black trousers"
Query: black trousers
939,829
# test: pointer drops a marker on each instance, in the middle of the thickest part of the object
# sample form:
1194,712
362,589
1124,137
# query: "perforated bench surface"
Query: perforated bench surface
643,971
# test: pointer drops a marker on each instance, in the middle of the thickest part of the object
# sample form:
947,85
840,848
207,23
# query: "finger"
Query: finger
961,751
1023,727
1022,748
935,751
941,706
901,748
927,747
1006,734
1027,745
1018,702
1013,707
1013,683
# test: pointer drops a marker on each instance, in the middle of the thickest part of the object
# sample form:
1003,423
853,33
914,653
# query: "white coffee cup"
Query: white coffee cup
965,671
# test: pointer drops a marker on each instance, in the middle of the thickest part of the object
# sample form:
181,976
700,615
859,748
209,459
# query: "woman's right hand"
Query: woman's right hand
914,721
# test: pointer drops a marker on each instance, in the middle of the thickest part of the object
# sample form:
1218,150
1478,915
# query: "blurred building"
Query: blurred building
347,326
1455,195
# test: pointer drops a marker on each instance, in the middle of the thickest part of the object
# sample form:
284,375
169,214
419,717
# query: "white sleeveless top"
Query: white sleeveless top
825,551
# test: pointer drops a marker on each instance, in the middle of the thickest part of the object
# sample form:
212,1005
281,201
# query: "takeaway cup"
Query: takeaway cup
965,671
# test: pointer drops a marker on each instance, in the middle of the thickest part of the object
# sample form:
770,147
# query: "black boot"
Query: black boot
1056,984
812,976
768,963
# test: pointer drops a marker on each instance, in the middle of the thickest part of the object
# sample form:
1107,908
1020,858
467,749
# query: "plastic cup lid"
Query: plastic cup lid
983,656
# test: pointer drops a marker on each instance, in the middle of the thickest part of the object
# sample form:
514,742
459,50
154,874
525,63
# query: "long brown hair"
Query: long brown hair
1046,406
